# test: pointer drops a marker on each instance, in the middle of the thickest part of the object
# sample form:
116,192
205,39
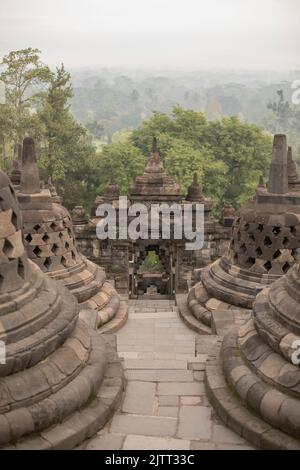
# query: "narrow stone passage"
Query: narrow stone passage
165,406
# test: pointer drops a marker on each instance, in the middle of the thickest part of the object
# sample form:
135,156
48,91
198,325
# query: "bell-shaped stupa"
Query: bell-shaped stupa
50,242
264,246
254,383
55,369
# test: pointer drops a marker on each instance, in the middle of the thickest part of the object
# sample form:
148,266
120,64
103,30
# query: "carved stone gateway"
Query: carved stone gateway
265,244
50,243
59,381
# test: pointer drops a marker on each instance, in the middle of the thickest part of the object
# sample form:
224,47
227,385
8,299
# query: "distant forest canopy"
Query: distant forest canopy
109,100
99,125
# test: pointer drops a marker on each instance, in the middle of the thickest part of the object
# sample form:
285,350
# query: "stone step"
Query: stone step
238,418
188,318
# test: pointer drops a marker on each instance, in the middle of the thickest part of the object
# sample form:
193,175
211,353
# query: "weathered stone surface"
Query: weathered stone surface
106,442
194,422
155,443
180,388
144,425
55,363
170,411
263,393
50,243
139,398
263,248
169,400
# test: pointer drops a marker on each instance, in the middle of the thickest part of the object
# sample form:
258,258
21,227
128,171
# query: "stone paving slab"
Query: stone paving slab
108,442
171,411
181,388
155,443
162,375
195,423
165,406
144,425
223,435
154,364
139,398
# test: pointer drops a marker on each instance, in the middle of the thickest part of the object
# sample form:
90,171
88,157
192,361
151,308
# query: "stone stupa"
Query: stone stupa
254,384
60,381
155,185
265,244
50,242
293,177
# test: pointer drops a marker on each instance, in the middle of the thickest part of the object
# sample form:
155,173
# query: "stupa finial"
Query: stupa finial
278,177
30,177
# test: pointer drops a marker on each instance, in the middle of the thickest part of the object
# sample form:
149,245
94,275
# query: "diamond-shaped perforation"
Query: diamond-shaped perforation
14,220
21,269
276,254
46,238
286,267
260,228
8,248
259,251
276,231
250,262
267,241
293,231
28,238
268,265
64,261
47,263
243,248
37,251
55,249
285,242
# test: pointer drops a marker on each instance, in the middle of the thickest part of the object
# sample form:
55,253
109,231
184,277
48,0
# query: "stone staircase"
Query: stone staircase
165,405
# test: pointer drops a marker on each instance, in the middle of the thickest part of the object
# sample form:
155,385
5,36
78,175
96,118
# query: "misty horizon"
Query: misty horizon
194,35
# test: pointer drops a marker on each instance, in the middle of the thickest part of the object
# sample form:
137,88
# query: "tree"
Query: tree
23,76
281,110
285,118
122,162
183,160
96,128
66,155
228,154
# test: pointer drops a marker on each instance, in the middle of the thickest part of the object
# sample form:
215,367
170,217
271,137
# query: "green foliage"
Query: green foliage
284,117
120,161
66,156
229,155
151,264
23,76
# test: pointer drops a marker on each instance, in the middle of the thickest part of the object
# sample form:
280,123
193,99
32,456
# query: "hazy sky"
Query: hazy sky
253,34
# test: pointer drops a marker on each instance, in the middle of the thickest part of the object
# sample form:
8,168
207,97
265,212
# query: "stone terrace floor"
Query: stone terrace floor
164,405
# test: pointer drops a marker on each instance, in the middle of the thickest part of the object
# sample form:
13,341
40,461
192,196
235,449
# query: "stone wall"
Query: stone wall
115,255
